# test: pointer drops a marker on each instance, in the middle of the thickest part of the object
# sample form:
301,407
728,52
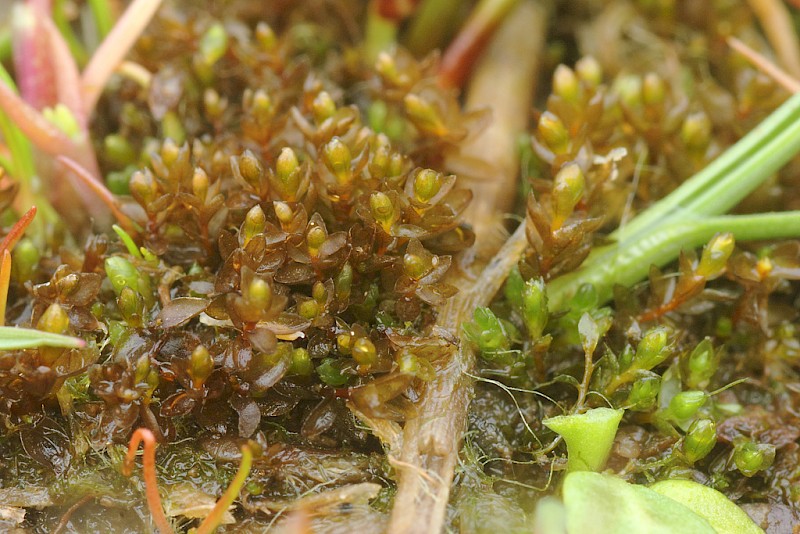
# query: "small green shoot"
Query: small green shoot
127,240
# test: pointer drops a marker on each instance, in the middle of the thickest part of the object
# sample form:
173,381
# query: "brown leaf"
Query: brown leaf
181,310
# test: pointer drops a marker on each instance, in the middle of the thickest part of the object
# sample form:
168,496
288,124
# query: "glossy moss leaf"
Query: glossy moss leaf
589,436
12,338
716,508
605,504
181,310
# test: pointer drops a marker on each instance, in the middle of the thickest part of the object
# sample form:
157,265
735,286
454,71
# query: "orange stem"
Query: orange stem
142,435
16,232
5,279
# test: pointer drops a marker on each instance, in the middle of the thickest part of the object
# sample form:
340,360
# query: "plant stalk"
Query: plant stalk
628,262
432,439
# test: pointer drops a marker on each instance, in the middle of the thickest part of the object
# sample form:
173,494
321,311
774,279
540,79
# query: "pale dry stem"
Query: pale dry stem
432,439
765,65
776,21
114,48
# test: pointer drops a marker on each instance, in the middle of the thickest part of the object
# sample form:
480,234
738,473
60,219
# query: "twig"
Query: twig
431,440
62,524
776,21
494,187
765,65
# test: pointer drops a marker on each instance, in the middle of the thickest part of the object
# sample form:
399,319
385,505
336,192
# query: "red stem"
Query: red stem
464,50
142,435
396,9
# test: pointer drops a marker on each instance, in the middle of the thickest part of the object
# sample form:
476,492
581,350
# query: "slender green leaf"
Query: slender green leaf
13,338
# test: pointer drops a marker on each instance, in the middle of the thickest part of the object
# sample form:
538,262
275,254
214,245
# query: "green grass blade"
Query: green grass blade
629,262
774,141
13,338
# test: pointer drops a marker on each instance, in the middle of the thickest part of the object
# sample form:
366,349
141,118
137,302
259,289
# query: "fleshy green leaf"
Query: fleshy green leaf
13,338
605,504
589,436
716,508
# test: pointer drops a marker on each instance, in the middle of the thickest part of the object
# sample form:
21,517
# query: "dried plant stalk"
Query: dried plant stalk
776,21
765,65
432,439
501,67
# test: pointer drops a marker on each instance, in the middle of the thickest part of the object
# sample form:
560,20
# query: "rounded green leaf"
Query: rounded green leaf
605,504
716,508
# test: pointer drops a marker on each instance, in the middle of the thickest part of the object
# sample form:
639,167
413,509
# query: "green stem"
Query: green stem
74,44
213,519
5,45
380,35
732,176
628,262
427,31
103,16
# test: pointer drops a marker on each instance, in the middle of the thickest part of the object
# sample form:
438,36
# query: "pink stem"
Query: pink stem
39,131
114,48
33,63
96,186
68,78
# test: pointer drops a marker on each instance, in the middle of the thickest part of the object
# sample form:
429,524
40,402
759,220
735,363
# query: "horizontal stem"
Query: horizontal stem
628,262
